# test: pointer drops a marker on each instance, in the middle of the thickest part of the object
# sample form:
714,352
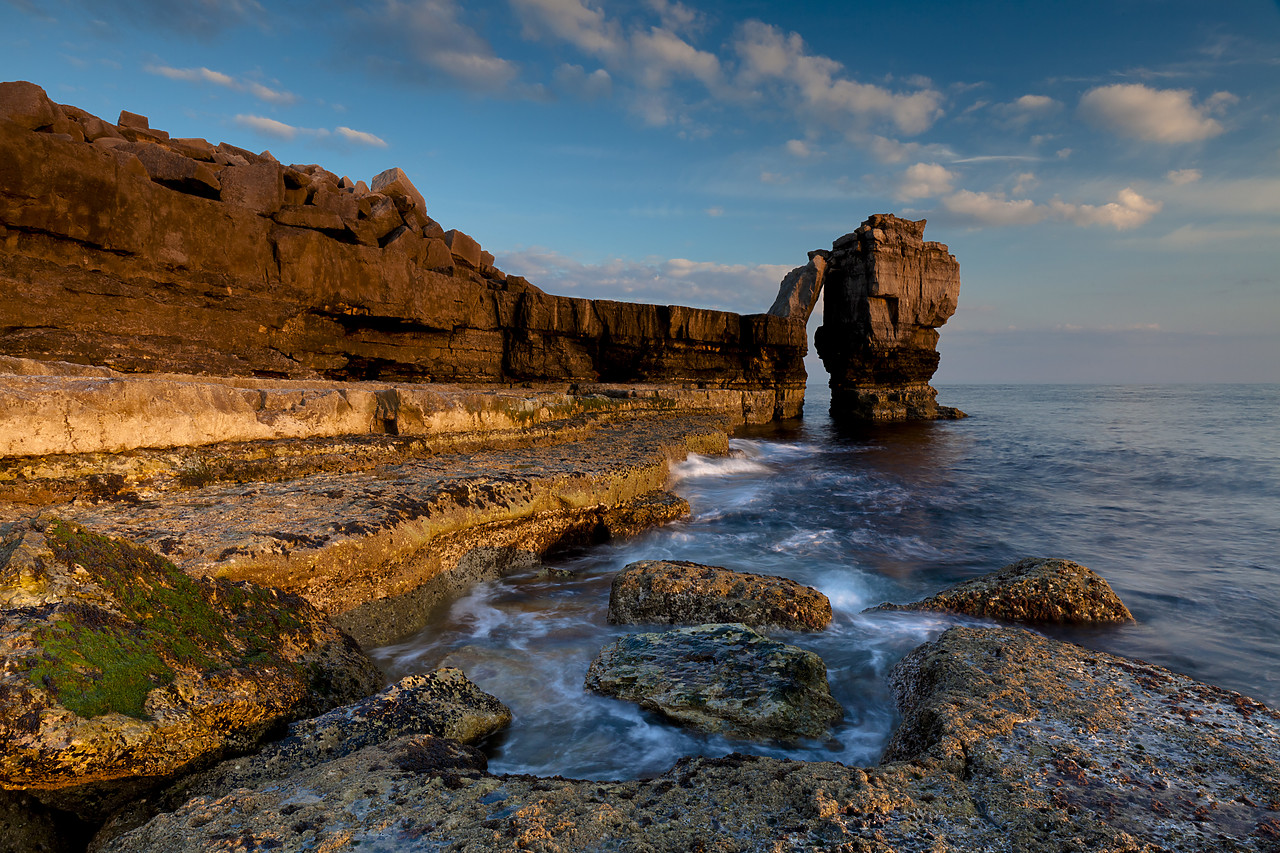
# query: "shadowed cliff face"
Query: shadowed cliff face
125,248
886,293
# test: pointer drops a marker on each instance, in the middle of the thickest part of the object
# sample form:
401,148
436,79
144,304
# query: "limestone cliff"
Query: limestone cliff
126,248
887,292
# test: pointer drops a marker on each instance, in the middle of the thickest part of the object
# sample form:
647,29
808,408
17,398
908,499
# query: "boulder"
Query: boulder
133,120
396,184
722,678
118,671
679,592
442,704
645,512
27,104
1036,589
798,294
93,127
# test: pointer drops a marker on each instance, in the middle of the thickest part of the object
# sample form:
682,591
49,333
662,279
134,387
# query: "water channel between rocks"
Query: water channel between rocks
891,513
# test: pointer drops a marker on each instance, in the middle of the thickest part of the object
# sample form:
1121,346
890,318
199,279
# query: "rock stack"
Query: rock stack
887,292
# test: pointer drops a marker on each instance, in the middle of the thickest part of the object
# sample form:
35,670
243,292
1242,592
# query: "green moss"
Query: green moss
96,662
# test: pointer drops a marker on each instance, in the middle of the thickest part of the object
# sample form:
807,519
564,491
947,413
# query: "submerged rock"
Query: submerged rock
444,704
118,671
680,592
720,678
1036,589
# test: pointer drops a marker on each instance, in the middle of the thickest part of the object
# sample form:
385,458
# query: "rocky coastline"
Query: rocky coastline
257,417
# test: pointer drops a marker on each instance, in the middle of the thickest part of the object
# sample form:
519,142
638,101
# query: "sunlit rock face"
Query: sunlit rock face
125,248
887,293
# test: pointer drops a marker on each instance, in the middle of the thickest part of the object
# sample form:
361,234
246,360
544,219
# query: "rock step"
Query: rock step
378,540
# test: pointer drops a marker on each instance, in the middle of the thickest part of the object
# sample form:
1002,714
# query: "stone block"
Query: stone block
463,247
395,183
133,120
309,216
27,104
438,256
486,260
259,187
93,127
175,171
193,147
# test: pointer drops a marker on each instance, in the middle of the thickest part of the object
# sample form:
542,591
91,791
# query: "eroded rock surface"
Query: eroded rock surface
118,670
443,704
720,678
1010,742
1036,589
680,592
887,291
125,248
799,291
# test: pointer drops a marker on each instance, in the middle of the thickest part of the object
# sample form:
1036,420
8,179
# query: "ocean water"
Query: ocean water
1172,493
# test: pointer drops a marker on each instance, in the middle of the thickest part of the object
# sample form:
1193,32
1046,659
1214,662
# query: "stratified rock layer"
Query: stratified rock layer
1010,742
886,293
1036,589
720,678
125,248
117,670
679,592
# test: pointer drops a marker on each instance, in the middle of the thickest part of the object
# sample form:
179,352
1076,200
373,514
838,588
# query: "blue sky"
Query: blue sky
1107,174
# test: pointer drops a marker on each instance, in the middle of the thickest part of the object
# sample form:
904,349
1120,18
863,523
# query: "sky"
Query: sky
1106,173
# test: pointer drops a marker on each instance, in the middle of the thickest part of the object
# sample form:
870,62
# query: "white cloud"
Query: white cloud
575,80
993,208
1154,115
799,148
1179,177
1026,181
890,151
1129,210
360,137
715,211
1027,109
744,288
661,55
925,180
268,126
218,78
768,56
435,36
280,130
572,21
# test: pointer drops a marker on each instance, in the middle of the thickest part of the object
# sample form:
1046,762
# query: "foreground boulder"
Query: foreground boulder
720,678
1009,742
444,704
1037,589
119,671
679,592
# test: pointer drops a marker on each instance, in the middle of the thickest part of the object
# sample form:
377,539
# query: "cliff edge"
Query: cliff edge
125,248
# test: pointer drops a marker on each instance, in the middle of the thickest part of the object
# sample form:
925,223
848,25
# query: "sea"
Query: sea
1170,492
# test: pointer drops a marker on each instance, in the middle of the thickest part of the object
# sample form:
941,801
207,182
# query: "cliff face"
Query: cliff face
125,248
887,292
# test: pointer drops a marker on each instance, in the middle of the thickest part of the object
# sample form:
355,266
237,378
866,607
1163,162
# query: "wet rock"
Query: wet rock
1009,742
119,670
679,592
722,678
444,704
647,511
1036,589
887,291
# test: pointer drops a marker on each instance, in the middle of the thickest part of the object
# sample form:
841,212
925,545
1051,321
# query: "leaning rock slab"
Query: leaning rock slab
680,592
117,670
720,678
1036,589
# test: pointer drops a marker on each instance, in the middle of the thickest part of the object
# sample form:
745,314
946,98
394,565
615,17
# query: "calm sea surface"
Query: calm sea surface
1171,492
